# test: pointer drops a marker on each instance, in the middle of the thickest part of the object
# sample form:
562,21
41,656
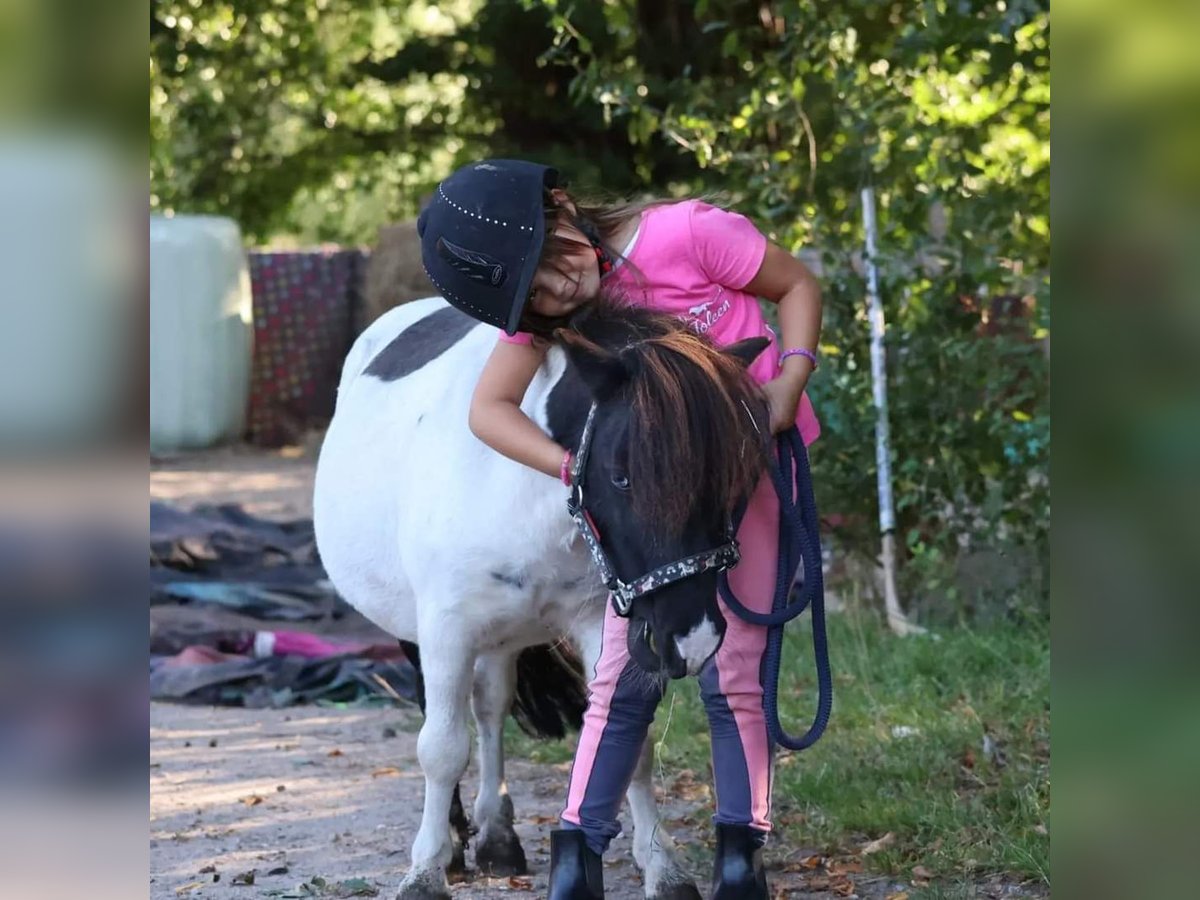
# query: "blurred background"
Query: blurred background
316,129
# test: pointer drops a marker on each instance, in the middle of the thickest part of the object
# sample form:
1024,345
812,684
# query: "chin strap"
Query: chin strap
604,260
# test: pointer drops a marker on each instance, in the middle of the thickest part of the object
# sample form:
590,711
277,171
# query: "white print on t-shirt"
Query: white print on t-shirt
704,316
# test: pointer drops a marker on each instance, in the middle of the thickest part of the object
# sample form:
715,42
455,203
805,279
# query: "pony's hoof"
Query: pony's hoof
680,890
501,854
424,886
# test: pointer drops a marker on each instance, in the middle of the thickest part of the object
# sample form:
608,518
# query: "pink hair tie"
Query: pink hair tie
799,351
565,472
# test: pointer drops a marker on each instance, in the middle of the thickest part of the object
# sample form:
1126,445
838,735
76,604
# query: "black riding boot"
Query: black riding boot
738,869
575,871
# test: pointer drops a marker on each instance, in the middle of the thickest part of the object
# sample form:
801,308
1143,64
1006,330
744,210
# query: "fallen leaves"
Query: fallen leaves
807,863
879,844
189,887
840,885
386,771
252,800
687,787
921,876
822,873
320,887
849,866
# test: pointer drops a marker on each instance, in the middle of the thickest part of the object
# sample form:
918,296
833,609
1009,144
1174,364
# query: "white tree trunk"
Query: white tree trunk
897,621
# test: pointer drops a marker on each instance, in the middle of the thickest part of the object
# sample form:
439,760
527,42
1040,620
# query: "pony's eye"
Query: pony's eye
620,481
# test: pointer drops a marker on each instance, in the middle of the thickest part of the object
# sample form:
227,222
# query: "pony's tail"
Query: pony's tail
551,691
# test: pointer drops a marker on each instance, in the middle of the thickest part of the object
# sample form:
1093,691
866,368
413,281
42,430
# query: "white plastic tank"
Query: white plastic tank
70,256
201,332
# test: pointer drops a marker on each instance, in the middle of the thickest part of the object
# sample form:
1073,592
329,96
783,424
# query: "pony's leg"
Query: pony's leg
653,847
497,849
444,749
460,826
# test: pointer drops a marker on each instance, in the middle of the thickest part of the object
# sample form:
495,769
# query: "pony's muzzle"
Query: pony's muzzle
698,646
678,657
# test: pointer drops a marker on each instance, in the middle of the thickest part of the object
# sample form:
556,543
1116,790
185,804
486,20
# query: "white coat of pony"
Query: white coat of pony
441,541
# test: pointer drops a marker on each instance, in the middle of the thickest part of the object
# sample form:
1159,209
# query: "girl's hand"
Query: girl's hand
783,397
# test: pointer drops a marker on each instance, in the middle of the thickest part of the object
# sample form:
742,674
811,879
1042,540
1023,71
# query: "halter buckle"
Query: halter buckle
575,499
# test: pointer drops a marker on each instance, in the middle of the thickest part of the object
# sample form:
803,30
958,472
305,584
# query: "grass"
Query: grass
944,742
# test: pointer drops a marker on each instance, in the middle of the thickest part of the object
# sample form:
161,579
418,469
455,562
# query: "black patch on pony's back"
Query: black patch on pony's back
421,342
551,691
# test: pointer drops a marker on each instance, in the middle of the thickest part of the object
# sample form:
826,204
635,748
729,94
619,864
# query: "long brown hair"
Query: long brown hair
697,429
605,219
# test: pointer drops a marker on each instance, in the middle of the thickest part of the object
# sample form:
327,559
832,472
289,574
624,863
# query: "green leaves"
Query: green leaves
324,120
944,108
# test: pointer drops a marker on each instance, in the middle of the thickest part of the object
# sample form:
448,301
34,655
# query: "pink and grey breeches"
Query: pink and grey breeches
622,702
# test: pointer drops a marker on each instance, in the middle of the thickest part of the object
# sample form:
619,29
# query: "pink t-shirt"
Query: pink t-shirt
694,260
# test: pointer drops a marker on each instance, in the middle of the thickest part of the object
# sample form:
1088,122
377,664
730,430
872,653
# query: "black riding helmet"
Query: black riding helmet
482,236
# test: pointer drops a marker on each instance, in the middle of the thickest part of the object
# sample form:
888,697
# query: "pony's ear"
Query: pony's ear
747,351
604,373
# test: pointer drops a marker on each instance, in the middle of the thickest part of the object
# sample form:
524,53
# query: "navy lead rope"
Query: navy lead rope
799,540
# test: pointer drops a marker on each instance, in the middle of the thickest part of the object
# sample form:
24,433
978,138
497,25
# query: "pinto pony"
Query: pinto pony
474,558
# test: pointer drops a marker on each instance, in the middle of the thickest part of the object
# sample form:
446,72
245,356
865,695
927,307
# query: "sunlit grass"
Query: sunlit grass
942,741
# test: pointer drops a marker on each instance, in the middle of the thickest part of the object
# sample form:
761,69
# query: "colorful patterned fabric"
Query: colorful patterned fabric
305,307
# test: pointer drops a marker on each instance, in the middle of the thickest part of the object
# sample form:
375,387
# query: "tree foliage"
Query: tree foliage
943,107
323,119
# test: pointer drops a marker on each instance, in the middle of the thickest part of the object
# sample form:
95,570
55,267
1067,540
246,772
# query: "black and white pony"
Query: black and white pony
474,558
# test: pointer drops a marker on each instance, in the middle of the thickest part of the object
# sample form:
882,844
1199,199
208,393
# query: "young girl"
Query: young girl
504,243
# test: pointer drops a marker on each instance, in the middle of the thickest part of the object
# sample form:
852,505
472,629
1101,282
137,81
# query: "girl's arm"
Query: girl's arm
785,280
496,417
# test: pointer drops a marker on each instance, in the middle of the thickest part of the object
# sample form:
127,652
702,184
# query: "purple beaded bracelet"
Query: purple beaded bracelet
799,351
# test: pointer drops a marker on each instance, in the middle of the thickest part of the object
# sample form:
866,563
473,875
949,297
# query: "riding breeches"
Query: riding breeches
622,701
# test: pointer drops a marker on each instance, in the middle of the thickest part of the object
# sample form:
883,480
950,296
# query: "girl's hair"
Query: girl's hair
603,219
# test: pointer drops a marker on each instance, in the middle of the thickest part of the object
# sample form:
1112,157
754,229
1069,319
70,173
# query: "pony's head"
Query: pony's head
677,441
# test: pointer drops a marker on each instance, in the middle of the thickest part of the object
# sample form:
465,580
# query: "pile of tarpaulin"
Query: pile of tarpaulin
242,614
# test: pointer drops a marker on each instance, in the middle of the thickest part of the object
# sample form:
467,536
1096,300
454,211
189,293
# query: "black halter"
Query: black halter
624,593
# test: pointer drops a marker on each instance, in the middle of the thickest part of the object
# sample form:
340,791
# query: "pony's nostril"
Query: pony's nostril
677,667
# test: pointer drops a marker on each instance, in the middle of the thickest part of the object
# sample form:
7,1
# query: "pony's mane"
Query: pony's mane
694,448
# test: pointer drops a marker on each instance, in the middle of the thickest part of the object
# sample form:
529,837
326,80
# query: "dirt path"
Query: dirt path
351,798
293,794
274,484
316,792
303,793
